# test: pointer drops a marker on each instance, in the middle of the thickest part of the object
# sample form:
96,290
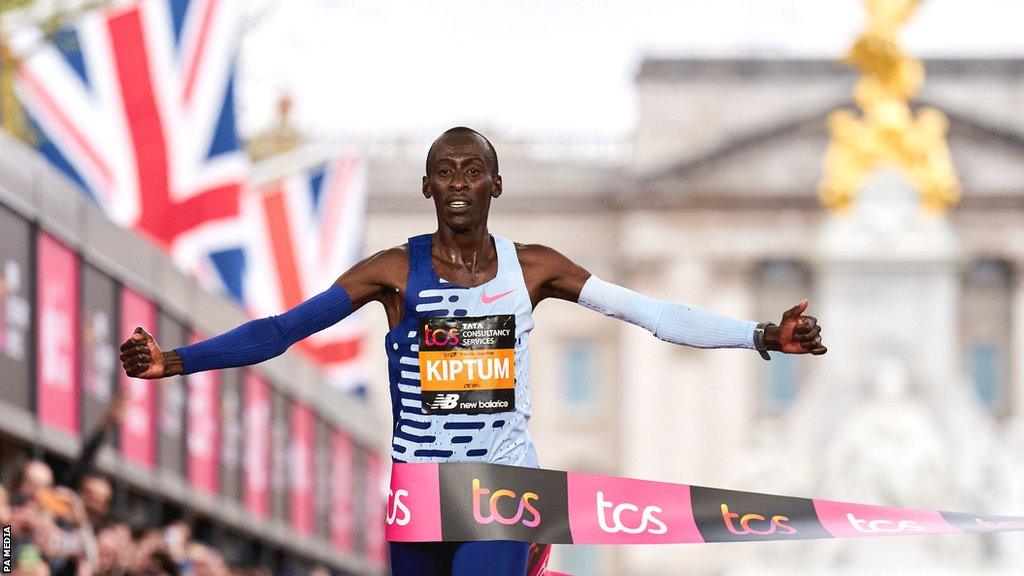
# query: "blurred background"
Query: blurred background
186,164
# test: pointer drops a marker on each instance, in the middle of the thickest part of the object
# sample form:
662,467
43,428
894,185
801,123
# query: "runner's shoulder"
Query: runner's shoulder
395,253
388,262
538,254
543,263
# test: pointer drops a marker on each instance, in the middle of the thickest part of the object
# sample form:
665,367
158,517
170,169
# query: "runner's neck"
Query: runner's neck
471,254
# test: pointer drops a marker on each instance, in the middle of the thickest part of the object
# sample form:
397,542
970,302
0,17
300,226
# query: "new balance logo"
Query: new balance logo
445,402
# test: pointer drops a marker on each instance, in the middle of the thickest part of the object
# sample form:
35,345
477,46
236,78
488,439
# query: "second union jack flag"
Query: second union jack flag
306,212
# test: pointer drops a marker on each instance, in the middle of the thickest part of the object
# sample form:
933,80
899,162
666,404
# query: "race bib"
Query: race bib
467,365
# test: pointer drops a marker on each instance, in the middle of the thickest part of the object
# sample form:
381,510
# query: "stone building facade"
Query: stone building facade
713,203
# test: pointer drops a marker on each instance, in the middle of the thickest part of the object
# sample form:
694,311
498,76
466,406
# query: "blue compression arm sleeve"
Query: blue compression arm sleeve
670,321
259,340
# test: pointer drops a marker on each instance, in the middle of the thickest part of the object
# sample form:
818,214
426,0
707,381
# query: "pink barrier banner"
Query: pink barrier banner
637,509
416,494
256,465
342,482
57,294
474,501
376,545
203,430
844,520
138,431
300,483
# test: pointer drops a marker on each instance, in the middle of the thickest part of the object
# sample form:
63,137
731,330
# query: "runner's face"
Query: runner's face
461,181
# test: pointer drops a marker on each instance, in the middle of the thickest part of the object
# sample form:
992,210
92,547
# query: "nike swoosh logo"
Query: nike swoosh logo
489,299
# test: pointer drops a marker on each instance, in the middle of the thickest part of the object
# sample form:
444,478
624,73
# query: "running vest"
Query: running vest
459,365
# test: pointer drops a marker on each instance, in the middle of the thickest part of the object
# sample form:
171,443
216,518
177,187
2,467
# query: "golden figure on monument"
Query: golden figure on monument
888,131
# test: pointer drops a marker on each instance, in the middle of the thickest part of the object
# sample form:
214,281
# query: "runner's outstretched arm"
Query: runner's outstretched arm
675,322
264,338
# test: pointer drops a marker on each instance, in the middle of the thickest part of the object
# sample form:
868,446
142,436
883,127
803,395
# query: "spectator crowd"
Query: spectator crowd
68,528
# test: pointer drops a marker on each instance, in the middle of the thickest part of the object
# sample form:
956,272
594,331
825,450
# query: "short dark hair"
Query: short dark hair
491,152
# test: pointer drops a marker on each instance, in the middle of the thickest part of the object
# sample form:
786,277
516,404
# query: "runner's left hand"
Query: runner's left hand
796,333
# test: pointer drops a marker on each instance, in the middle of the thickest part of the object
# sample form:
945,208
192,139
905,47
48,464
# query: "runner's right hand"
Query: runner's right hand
141,356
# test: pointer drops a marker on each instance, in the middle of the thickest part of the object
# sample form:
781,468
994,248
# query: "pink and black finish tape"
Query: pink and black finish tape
475,501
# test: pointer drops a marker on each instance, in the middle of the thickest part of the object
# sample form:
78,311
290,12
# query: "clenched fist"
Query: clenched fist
796,333
141,356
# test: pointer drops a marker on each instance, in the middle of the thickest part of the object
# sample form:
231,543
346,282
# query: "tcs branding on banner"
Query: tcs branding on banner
608,510
500,502
398,512
648,522
744,524
1006,525
848,520
525,511
467,365
731,516
884,526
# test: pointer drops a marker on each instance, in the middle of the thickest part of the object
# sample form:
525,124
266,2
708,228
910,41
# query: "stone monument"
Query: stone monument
903,428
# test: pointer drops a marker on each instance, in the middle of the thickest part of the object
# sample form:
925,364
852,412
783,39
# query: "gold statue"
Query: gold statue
888,132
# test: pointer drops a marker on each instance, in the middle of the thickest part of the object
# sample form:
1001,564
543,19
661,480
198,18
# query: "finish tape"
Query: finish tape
474,501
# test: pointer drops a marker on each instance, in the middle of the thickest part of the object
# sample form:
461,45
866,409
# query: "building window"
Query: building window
780,284
985,328
577,559
781,381
983,366
579,374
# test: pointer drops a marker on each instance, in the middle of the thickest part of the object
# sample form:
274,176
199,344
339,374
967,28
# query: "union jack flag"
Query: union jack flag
135,104
306,212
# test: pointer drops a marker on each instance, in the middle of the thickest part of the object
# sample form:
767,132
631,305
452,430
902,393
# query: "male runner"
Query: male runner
459,304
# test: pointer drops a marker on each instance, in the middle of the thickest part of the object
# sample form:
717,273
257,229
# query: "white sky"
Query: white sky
542,67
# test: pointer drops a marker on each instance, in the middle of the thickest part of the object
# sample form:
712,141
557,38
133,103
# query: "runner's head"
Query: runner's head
462,177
